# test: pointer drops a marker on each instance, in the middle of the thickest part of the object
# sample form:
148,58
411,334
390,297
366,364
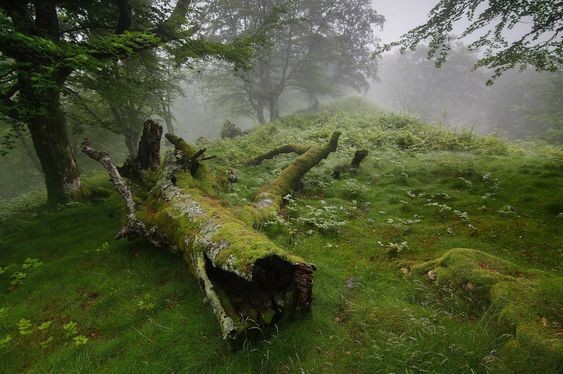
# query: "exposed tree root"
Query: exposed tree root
249,281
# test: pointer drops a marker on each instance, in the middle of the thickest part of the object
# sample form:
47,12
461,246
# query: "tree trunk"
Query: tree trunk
48,130
273,108
260,115
313,102
250,282
131,140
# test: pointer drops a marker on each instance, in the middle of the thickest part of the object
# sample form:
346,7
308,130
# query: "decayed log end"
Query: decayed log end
359,156
148,156
354,165
248,309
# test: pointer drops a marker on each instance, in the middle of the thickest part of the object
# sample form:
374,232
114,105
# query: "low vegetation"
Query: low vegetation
440,253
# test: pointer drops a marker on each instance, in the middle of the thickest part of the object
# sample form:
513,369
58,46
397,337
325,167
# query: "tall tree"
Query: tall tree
539,46
320,47
43,42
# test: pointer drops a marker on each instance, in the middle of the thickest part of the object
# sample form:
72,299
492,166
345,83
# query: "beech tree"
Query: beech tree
319,48
130,91
44,42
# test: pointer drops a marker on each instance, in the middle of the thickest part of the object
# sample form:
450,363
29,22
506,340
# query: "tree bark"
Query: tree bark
284,149
250,282
167,115
260,115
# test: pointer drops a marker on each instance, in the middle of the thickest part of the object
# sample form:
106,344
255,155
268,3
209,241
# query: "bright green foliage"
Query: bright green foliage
104,248
18,278
44,326
31,263
80,340
25,327
70,328
45,343
5,340
146,303
539,45
367,316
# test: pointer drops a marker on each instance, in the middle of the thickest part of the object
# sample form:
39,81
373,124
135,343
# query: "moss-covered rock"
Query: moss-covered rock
527,304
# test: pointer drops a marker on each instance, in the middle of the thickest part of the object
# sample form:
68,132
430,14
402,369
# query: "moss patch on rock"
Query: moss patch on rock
525,303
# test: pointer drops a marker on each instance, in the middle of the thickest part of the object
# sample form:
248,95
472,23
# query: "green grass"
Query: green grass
412,200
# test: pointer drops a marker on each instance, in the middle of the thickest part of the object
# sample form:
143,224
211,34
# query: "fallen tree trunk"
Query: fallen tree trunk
249,281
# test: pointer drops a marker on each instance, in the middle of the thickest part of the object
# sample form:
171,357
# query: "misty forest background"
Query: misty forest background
195,98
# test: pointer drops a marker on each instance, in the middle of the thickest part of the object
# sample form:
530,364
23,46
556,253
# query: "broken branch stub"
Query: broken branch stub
284,149
148,154
359,156
250,282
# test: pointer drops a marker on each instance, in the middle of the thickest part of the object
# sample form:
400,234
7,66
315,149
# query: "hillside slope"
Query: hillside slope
393,290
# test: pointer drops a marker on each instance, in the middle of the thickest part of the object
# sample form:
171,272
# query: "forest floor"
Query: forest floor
74,300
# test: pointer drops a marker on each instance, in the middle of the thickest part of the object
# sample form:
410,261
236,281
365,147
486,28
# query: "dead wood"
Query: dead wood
359,156
250,282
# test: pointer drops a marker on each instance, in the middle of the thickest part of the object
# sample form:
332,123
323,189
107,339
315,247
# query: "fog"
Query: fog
302,65
454,95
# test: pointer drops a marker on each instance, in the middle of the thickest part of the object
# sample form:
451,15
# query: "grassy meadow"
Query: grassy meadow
442,253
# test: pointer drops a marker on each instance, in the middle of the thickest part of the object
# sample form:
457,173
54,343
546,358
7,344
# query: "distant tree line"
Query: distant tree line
519,104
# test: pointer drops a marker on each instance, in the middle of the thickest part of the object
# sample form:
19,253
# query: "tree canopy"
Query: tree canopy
44,43
539,46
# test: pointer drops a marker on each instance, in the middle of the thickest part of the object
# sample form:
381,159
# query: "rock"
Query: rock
468,286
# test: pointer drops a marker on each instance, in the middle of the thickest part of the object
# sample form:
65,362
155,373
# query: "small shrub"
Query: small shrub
25,327
70,329
146,303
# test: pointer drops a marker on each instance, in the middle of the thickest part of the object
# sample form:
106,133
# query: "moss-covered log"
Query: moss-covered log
250,282
270,197
520,301
298,149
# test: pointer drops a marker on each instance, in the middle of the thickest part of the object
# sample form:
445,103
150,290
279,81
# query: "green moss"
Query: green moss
523,302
